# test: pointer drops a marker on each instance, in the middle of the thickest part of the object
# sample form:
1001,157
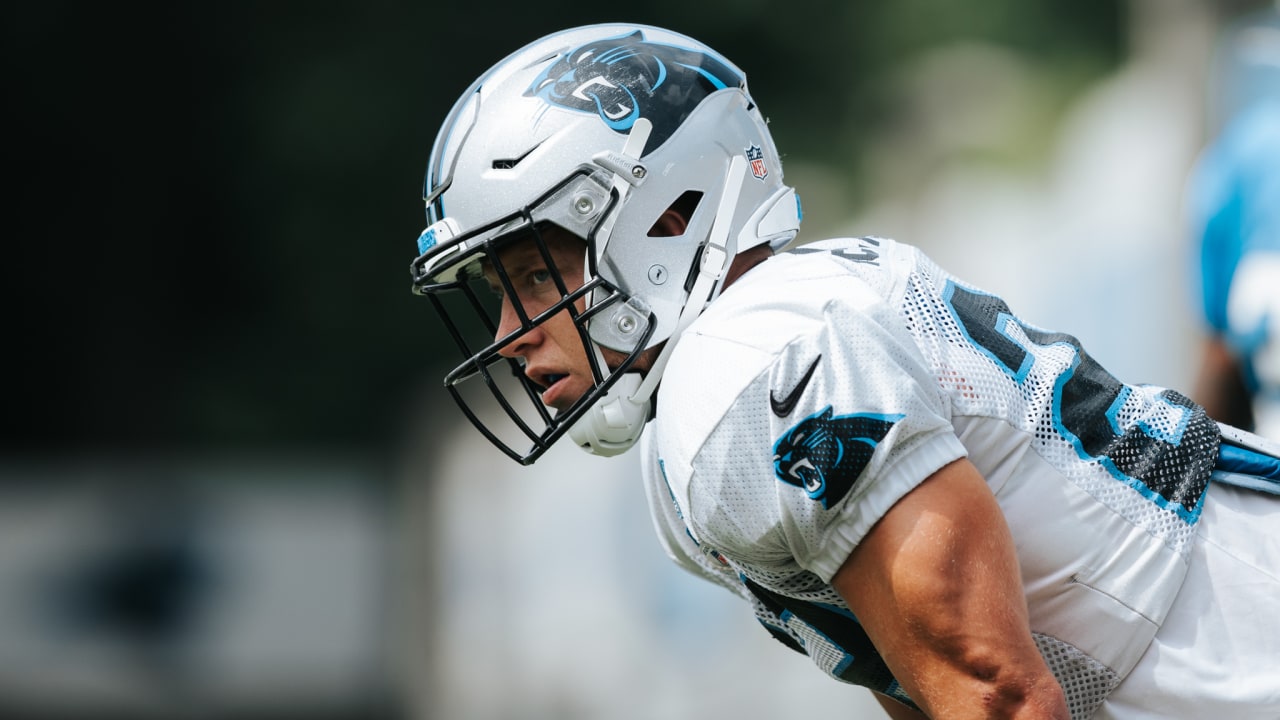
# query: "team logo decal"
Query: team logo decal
625,78
756,156
824,454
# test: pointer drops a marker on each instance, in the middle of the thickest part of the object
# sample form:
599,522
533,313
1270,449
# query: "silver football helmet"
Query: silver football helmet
597,131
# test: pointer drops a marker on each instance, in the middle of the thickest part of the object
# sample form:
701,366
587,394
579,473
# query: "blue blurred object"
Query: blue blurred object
1234,204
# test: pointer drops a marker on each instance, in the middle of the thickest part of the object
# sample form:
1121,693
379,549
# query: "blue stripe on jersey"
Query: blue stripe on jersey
1244,461
860,663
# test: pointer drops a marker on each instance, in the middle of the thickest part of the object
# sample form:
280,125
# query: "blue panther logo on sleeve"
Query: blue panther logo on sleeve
824,454
625,78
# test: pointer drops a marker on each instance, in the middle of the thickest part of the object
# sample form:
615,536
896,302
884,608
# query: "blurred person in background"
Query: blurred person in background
927,496
1234,207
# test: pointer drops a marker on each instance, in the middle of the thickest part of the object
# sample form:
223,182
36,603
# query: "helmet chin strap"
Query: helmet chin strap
614,422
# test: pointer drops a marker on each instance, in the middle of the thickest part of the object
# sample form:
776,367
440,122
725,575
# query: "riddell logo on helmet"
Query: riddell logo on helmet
756,156
426,240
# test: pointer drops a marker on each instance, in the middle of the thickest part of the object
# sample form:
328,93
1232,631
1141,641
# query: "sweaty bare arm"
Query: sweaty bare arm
936,586
898,711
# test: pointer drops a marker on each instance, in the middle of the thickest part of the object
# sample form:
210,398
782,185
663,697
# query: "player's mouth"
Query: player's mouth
546,381
554,387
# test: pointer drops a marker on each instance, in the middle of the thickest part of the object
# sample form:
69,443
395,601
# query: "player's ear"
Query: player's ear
669,224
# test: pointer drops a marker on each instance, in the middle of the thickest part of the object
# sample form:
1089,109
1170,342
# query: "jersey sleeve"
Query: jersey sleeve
841,423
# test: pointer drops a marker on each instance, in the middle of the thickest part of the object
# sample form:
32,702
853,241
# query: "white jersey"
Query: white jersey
829,381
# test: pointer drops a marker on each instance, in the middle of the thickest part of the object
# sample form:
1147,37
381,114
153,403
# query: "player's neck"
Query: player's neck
746,260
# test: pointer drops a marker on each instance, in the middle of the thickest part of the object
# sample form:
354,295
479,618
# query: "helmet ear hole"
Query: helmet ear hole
673,221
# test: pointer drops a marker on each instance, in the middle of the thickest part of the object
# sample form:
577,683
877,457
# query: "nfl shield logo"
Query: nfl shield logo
756,156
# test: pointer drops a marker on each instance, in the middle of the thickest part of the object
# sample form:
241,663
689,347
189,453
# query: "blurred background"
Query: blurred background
231,486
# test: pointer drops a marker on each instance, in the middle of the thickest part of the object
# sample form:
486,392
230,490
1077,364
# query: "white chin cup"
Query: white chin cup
615,421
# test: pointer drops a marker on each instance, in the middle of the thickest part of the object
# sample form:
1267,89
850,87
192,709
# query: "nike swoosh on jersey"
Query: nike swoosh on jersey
783,407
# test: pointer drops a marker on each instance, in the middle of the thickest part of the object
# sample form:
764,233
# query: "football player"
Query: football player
1234,203
923,493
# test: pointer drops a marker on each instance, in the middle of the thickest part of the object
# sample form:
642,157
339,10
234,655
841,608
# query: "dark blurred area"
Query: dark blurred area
217,203
215,363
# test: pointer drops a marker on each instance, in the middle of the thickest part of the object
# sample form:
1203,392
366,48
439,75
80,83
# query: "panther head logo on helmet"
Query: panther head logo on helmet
627,77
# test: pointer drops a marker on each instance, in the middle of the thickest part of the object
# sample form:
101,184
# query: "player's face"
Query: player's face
553,354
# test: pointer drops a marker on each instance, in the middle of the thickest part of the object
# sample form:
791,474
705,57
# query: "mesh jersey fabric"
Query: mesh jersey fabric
901,369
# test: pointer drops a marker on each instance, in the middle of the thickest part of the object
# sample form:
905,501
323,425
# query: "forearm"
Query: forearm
936,586
968,690
897,711
980,671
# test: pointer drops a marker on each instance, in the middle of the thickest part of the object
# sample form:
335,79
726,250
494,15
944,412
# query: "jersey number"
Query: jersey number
1086,403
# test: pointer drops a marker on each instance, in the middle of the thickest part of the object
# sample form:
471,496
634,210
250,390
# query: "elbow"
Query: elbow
1025,698
1006,698
1001,688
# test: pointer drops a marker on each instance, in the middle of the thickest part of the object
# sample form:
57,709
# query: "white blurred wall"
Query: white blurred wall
1091,242
195,587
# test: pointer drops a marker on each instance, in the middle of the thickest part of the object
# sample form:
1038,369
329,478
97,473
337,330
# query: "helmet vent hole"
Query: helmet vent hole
684,207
